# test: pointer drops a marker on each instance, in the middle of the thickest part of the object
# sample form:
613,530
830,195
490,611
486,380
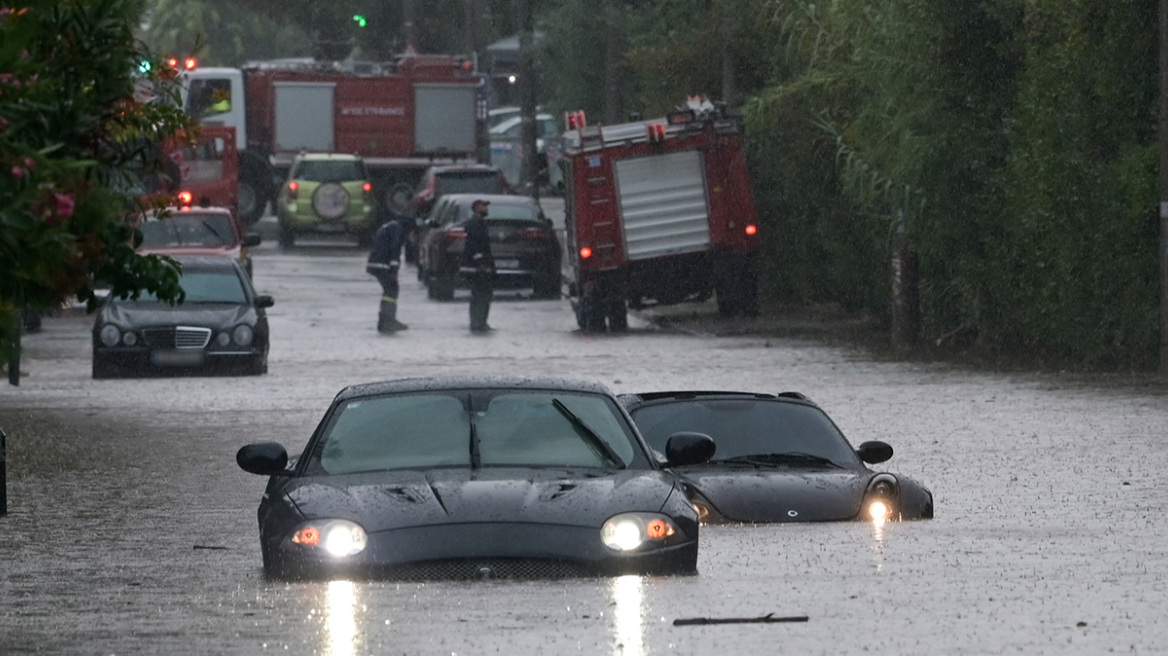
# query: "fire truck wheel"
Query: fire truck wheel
590,313
618,315
398,198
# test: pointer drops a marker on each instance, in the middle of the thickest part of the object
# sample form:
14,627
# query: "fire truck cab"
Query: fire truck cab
658,212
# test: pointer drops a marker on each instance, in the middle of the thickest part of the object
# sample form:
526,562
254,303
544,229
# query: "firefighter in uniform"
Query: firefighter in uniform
383,264
478,265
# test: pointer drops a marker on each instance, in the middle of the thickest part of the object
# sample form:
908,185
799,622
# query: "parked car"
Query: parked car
475,477
221,325
523,241
198,231
326,193
457,179
779,458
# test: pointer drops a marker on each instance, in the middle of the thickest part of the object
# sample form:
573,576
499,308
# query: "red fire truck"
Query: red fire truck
400,117
208,171
658,212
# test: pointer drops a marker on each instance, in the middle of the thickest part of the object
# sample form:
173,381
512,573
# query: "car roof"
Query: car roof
501,199
192,209
460,168
506,123
644,398
474,381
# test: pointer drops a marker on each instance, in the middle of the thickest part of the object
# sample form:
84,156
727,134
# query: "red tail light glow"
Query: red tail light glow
185,198
585,253
293,190
454,233
751,229
536,233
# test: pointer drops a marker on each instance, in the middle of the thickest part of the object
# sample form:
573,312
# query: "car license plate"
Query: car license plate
506,264
177,358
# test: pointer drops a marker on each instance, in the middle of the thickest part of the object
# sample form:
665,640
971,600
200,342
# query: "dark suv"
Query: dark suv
457,179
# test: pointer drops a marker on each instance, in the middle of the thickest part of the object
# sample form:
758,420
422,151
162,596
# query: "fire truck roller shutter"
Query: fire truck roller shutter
663,204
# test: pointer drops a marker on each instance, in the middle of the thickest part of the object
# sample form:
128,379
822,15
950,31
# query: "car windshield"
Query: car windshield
469,182
206,286
504,211
482,428
329,170
188,229
747,427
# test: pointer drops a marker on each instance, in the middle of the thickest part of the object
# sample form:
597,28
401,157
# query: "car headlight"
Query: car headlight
632,531
110,335
336,537
880,499
243,335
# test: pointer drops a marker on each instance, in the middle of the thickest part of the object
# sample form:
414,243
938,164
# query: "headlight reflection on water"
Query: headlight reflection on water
628,615
340,619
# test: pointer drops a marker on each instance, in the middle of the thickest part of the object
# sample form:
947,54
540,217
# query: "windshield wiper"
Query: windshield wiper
594,439
766,459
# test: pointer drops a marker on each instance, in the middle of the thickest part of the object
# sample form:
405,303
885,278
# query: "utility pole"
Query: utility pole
1163,247
529,173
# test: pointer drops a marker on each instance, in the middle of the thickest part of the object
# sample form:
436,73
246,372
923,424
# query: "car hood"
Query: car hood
196,314
387,500
780,494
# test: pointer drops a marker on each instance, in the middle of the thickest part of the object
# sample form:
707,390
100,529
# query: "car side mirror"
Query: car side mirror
687,448
264,301
263,458
431,223
874,452
252,239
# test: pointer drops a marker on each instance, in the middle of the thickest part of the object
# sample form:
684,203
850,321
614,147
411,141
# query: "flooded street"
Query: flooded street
132,531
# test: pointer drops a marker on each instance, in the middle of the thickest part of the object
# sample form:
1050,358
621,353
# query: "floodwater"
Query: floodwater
131,530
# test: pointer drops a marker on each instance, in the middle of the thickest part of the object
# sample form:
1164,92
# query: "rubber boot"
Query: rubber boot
387,318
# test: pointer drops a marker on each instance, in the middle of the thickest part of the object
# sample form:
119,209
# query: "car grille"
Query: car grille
177,337
494,568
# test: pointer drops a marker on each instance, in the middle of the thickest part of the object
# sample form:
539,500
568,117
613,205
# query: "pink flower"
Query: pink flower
17,172
65,205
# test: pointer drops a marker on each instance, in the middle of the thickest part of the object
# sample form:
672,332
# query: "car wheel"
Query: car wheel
442,287
286,237
546,286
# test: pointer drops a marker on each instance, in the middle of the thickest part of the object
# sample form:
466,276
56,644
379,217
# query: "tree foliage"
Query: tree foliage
75,137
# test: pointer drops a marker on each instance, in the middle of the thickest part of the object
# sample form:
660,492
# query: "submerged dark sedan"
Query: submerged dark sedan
475,477
779,458
221,325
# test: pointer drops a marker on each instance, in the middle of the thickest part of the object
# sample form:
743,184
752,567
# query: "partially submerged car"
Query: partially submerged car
475,477
198,231
220,326
779,458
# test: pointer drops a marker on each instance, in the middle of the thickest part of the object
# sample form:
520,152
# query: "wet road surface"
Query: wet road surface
131,530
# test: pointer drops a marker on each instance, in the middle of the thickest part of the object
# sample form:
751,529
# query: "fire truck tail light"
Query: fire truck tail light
190,63
585,253
656,131
185,198
751,229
